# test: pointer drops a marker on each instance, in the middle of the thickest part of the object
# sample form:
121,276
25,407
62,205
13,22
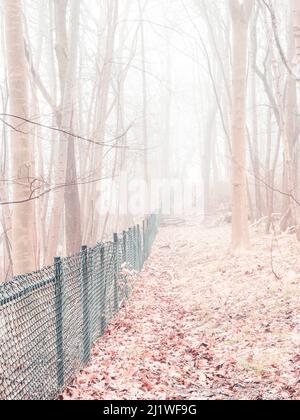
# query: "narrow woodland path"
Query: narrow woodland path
201,324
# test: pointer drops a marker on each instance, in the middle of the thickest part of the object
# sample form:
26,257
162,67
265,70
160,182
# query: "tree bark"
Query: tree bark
240,13
255,159
145,115
67,65
93,232
23,213
295,5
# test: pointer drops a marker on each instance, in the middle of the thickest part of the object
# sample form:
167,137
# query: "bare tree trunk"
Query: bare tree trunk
5,211
250,206
67,65
23,216
72,204
145,115
295,5
37,152
269,192
167,120
256,162
240,13
101,117
208,143
287,129
73,233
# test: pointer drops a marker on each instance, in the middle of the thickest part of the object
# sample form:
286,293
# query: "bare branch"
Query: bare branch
277,40
69,133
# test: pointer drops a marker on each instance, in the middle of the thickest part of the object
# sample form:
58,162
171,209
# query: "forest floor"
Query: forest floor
202,324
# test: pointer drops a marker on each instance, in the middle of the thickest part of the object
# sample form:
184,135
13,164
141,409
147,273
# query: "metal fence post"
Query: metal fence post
135,255
131,250
59,321
116,272
84,290
103,279
85,305
125,246
152,229
139,249
144,239
92,292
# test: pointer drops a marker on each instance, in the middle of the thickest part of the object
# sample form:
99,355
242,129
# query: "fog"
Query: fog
112,110
149,201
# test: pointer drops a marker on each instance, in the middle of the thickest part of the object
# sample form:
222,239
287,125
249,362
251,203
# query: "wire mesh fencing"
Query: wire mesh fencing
50,319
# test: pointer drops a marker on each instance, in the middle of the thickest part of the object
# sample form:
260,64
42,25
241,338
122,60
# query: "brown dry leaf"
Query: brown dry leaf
201,324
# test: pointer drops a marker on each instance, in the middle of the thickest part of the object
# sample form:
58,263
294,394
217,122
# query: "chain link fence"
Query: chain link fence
50,319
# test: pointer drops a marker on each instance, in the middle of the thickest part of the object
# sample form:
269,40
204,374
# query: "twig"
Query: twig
277,40
66,132
258,222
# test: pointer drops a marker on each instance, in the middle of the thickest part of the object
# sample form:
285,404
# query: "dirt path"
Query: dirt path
201,324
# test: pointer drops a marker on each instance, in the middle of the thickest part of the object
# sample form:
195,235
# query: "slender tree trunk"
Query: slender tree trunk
256,162
208,142
167,119
5,211
287,128
23,216
295,5
73,233
101,117
269,195
240,13
67,65
72,204
145,114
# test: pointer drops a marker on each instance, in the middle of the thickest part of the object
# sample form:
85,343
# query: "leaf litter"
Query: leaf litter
202,324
